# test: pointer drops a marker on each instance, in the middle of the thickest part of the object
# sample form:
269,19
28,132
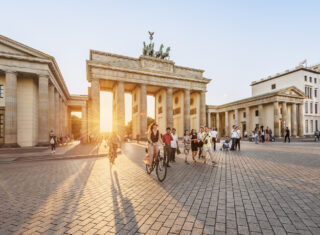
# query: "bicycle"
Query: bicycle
160,165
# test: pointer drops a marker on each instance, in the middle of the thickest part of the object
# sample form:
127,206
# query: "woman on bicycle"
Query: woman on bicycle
153,143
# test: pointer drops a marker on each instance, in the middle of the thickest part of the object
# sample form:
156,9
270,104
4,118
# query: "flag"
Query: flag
303,62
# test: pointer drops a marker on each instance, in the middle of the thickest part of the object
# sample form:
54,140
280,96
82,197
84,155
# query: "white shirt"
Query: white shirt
214,134
234,133
199,136
174,141
238,133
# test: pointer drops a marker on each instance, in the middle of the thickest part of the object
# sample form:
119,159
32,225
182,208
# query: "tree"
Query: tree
129,126
76,126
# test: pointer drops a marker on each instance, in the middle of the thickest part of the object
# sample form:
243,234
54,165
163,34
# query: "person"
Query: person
174,145
262,133
153,144
270,135
256,135
113,142
200,143
233,137
267,134
187,145
287,136
214,134
245,133
237,138
316,135
194,144
207,148
52,142
166,139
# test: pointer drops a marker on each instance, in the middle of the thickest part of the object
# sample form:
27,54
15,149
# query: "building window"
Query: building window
315,92
310,79
307,129
310,93
244,114
306,107
305,78
316,125
1,125
257,113
234,116
306,91
315,80
1,91
316,108
311,107
273,86
311,126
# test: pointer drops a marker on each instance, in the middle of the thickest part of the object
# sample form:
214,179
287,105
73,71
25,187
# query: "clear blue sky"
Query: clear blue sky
235,42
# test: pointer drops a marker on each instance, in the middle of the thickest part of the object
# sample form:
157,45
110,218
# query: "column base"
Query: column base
13,145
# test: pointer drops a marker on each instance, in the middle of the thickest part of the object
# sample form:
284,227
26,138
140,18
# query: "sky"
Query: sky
235,42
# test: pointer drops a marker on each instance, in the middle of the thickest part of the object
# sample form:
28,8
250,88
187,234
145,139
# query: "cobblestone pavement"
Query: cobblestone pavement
264,189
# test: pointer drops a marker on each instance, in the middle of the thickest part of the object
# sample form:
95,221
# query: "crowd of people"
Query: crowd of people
200,144
58,140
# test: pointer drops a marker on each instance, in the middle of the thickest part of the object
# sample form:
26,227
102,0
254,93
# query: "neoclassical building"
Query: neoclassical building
34,98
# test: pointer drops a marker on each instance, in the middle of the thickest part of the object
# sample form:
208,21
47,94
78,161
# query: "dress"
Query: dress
186,142
194,142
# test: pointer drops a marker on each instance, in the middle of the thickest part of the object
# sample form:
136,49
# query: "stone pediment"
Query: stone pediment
292,92
12,48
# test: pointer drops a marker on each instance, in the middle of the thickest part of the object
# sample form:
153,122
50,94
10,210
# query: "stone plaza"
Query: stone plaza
271,188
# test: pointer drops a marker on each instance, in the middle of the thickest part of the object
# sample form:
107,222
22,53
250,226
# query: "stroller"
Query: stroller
225,145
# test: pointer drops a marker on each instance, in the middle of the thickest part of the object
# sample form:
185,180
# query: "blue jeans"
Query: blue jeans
256,139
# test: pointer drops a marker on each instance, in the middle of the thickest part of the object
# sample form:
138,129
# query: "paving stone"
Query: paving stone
264,189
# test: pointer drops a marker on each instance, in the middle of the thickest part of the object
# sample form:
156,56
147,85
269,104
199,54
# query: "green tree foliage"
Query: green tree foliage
76,126
129,126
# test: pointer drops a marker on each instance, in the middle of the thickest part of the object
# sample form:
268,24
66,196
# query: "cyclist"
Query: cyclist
153,143
113,142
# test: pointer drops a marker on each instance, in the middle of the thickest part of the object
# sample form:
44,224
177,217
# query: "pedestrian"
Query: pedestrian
166,139
267,134
174,145
233,138
207,146
256,135
262,133
214,134
187,145
287,136
237,139
52,142
316,135
200,143
194,144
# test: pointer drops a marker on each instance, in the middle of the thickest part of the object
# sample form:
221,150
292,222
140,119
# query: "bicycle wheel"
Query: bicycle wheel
161,169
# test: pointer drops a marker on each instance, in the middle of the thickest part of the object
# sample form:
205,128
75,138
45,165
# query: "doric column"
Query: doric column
143,113
276,119
61,116
209,119
43,126
51,108
169,104
84,123
300,126
218,122
236,115
186,109
202,108
284,117
260,110
10,115
294,123
248,121
95,96
226,123
57,113
120,109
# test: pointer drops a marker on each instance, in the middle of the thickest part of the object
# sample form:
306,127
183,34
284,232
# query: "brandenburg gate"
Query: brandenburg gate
179,92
